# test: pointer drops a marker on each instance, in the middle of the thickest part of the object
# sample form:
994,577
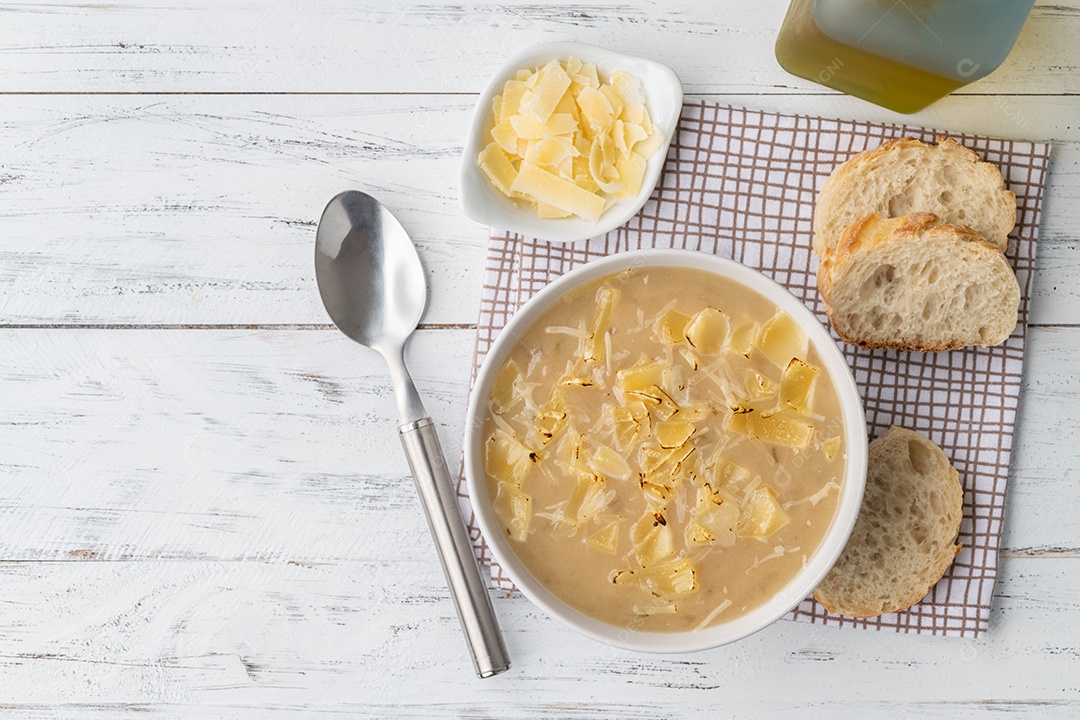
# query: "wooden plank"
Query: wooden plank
291,46
195,209
223,444
201,210
1048,402
373,637
521,709
275,445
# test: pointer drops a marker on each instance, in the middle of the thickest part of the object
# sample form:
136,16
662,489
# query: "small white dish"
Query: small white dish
482,202
817,566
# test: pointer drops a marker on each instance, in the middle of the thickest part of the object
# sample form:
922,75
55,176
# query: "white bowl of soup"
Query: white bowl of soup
665,450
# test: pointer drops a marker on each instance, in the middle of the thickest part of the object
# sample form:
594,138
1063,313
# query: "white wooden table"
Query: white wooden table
204,510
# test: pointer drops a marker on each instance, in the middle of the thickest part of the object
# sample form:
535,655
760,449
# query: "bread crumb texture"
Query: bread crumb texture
905,536
918,283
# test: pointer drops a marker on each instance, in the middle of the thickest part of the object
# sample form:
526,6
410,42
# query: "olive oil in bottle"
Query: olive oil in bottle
900,54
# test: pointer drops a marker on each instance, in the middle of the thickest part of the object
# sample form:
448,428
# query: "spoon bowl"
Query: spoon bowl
369,274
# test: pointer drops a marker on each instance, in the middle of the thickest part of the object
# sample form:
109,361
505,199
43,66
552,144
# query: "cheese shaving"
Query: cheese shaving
568,142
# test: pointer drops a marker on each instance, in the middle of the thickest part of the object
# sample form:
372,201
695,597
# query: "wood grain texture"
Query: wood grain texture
204,511
202,209
211,444
368,637
1018,710
416,46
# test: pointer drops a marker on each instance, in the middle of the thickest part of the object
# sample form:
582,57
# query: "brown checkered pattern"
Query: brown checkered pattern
741,184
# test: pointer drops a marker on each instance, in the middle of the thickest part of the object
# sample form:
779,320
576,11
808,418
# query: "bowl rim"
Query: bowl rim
484,204
819,563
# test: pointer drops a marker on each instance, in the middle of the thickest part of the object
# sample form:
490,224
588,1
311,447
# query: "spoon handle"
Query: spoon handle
467,588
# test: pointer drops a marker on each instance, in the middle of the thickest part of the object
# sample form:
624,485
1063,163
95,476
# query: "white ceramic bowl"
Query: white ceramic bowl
851,492
482,202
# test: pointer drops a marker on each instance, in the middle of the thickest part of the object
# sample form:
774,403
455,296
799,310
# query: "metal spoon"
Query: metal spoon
374,289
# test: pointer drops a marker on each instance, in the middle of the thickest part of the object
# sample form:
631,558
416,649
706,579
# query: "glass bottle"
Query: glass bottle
900,54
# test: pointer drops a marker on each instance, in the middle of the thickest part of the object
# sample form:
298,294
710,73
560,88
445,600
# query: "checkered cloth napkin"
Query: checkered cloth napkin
742,184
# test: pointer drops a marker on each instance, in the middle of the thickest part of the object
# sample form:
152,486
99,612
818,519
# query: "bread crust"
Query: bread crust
865,607
871,231
864,162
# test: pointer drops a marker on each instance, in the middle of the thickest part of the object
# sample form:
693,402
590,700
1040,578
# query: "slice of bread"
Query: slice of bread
916,283
905,536
906,176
